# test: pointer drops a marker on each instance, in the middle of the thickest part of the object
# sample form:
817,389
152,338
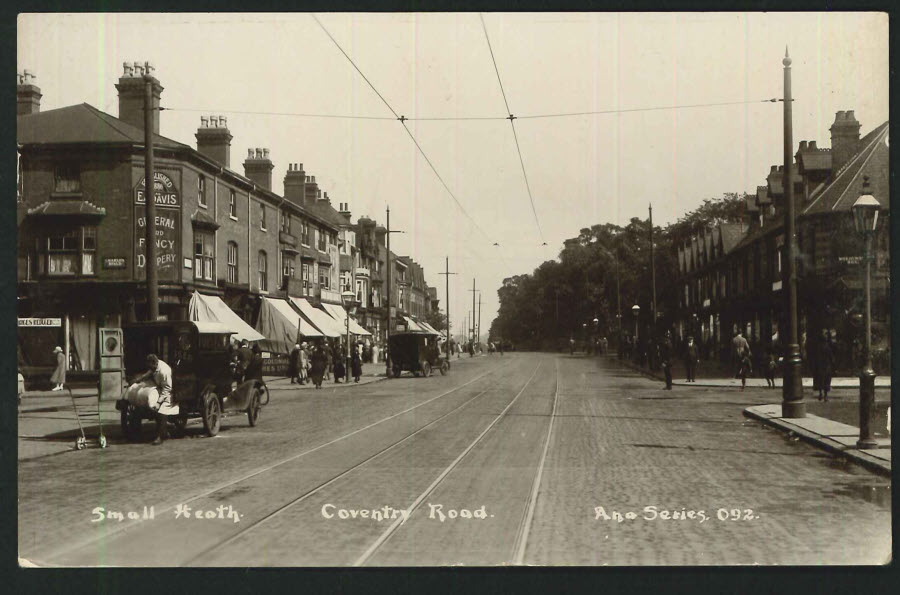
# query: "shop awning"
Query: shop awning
340,315
282,326
413,326
428,328
210,308
322,321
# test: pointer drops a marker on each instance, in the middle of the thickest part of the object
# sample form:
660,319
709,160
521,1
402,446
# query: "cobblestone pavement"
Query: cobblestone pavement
307,481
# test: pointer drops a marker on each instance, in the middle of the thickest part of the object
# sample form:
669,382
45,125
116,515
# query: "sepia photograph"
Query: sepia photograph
453,289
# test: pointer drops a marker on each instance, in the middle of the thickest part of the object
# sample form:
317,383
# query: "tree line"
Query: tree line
562,298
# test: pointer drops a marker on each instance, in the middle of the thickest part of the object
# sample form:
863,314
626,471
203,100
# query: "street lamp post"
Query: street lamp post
792,404
348,299
865,219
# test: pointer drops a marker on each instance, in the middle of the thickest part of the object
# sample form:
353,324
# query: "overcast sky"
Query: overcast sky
582,169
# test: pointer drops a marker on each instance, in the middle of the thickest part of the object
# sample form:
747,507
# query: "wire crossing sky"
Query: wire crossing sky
612,110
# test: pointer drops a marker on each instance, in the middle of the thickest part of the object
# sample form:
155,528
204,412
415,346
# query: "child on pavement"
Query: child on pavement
746,368
770,370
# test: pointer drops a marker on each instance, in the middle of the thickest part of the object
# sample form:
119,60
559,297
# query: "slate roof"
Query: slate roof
873,161
731,235
82,123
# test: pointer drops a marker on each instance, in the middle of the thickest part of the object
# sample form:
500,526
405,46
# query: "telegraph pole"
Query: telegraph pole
447,274
478,326
473,311
390,272
792,405
652,267
150,203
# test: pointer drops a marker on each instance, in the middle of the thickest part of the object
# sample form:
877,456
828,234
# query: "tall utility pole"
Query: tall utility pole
390,270
447,274
478,326
792,404
618,303
150,203
473,310
652,267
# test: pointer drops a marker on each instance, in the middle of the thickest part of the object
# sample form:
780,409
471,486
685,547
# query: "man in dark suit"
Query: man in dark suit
691,357
665,358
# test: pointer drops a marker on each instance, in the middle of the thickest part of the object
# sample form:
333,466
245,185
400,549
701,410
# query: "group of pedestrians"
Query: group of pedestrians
312,363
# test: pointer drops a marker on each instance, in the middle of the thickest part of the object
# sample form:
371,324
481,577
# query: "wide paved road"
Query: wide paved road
520,459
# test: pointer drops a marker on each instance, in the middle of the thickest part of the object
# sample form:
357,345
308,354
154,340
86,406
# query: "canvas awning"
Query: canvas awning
340,315
413,326
428,328
210,308
322,321
282,326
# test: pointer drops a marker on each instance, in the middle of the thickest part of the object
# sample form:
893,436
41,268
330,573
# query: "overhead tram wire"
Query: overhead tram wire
402,120
512,123
470,118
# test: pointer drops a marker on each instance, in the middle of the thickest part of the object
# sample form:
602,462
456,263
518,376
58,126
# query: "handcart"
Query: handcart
87,411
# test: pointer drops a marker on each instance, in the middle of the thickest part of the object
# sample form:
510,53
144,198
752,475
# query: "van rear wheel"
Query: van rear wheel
212,414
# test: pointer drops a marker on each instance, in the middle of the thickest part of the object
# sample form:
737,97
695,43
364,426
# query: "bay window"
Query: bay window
68,252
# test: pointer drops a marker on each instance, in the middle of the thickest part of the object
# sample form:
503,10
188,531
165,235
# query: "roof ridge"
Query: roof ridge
873,146
847,165
99,115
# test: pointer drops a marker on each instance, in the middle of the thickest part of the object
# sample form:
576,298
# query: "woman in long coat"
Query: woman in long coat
356,365
317,366
59,374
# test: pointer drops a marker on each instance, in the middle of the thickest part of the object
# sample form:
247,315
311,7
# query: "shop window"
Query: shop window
68,253
232,269
204,260
262,265
201,191
67,178
232,205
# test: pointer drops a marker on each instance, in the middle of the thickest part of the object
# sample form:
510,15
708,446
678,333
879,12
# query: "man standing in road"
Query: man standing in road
294,365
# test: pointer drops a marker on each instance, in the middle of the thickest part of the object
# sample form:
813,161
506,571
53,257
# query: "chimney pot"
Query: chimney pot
249,153
300,167
812,145
204,121
127,70
266,153
850,116
803,145
839,115
774,169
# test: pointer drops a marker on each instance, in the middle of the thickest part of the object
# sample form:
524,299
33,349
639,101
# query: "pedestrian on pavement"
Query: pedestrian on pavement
571,345
771,366
746,368
691,357
739,347
294,364
329,356
356,365
665,359
339,368
304,362
376,351
318,362
59,374
824,365
153,389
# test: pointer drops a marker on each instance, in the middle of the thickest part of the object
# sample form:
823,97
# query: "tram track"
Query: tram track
393,527
161,509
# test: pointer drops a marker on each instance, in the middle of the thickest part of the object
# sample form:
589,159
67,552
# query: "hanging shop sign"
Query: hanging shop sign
114,262
40,322
168,228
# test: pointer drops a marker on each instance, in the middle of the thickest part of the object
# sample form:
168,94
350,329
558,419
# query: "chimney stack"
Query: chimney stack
295,184
131,94
844,139
258,167
345,210
28,95
214,139
311,190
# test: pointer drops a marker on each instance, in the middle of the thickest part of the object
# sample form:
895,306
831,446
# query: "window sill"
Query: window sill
261,228
232,217
202,205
